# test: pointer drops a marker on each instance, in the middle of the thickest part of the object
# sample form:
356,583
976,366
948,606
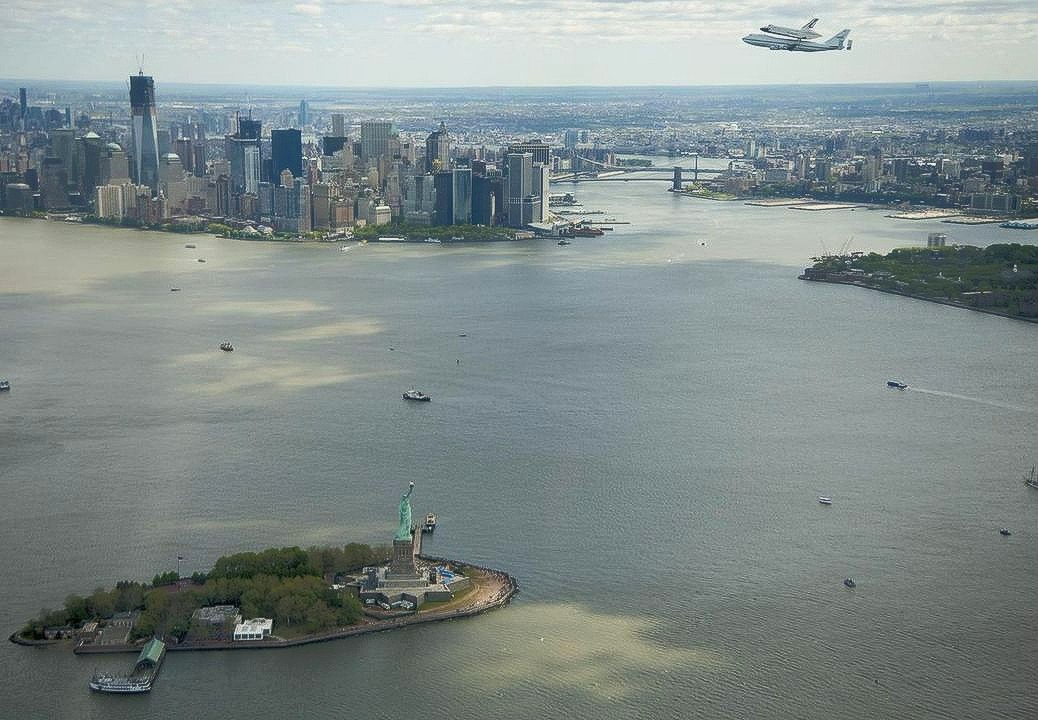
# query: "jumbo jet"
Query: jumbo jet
805,32
836,42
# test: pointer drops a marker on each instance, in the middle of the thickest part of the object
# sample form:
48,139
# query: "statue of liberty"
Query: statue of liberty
403,532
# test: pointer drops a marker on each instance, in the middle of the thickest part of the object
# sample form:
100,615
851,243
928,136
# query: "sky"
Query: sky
436,43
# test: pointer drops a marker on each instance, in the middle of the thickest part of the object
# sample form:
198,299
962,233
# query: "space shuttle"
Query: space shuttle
805,32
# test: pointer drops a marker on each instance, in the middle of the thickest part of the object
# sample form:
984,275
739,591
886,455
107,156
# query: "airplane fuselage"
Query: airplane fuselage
792,44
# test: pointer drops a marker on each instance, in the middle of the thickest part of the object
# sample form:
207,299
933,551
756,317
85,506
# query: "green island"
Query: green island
1000,279
279,597
294,587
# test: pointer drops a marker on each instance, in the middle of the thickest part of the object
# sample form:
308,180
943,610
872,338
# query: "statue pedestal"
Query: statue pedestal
402,566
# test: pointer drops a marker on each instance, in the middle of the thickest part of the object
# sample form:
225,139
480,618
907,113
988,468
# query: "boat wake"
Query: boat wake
981,401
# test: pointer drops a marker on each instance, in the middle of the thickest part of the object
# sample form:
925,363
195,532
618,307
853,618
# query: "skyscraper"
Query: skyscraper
374,139
520,186
145,131
461,195
23,102
243,152
286,151
338,125
304,113
438,147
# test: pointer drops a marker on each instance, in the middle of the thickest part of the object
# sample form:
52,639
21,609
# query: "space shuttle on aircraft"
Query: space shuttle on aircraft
803,33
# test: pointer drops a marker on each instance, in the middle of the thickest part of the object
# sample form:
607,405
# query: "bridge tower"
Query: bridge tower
676,186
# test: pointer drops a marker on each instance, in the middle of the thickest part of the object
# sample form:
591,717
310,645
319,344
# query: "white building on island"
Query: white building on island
254,629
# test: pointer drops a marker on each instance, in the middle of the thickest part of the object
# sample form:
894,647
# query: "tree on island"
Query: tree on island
290,585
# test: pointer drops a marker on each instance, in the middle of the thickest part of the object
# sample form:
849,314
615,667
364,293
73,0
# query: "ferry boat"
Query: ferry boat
418,395
140,679
1019,225
825,500
896,384
4,385
430,523
226,347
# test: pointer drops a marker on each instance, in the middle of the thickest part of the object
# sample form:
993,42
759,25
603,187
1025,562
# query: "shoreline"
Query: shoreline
503,585
939,301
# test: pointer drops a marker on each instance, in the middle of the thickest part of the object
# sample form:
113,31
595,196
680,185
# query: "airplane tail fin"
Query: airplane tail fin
809,25
837,39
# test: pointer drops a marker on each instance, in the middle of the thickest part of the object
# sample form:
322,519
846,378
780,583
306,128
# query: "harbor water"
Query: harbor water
637,426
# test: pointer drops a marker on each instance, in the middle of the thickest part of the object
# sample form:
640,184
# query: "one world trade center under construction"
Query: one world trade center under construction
145,132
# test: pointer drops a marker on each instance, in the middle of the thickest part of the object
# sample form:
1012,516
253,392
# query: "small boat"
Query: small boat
1004,531
201,259
825,500
564,242
430,523
418,395
4,385
226,347
849,582
190,246
1029,480
896,384
174,289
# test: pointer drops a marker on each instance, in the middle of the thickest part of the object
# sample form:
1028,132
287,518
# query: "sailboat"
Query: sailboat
1032,479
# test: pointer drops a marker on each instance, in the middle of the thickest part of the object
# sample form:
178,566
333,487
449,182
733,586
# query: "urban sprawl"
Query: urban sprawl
260,168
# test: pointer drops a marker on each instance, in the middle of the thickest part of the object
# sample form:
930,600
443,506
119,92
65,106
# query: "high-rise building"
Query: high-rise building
374,139
438,150
520,185
461,195
304,113
145,131
245,156
443,213
23,102
540,151
338,125
108,202
332,144
286,151
482,201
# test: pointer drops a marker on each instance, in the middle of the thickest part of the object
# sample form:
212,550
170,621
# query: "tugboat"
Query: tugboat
849,582
4,385
430,523
896,384
418,395
226,347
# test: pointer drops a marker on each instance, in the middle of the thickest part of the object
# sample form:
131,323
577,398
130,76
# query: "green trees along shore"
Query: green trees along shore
290,585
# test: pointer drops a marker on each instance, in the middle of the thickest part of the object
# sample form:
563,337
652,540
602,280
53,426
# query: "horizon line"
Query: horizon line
535,87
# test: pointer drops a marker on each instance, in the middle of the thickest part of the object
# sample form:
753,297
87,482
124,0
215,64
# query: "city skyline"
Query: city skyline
575,42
